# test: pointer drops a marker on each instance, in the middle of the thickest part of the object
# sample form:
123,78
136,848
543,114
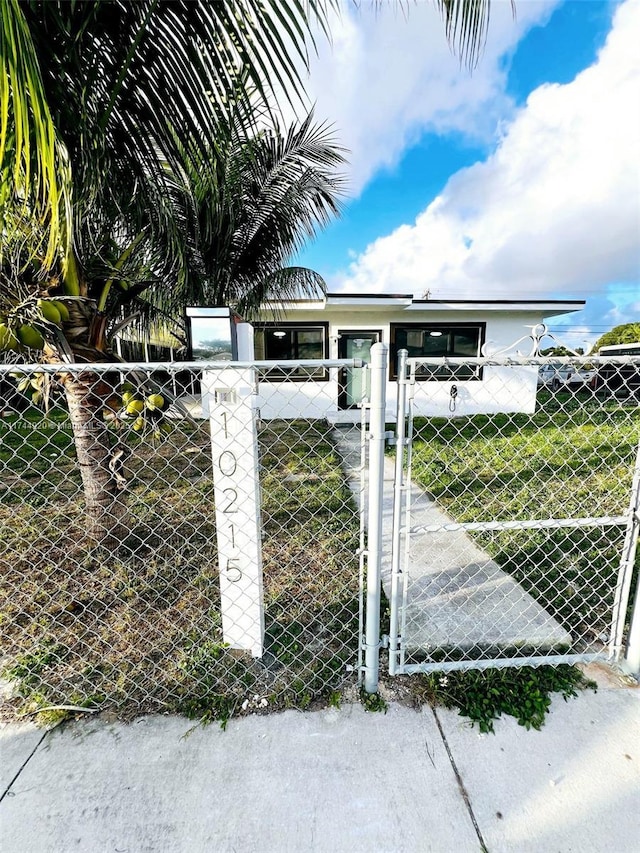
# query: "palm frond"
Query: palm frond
35,179
283,285
266,194
466,24
122,84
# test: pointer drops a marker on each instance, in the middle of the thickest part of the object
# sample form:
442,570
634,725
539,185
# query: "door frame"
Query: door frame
376,337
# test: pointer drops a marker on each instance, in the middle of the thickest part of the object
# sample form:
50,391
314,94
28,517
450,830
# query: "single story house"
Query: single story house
347,325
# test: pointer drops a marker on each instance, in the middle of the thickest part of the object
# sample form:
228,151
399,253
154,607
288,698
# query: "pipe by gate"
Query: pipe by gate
398,496
378,370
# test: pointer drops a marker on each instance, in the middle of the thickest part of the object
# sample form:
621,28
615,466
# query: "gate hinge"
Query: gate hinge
383,643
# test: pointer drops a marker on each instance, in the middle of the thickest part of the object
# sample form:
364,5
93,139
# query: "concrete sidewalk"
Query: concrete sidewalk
331,780
458,598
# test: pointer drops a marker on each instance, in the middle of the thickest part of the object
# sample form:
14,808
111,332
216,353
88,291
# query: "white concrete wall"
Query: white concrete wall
290,400
500,390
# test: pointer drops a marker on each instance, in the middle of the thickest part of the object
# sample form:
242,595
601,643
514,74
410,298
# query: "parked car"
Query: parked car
582,376
618,377
555,376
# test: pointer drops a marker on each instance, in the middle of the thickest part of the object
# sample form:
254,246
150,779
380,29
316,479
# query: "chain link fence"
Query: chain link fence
114,490
519,527
190,537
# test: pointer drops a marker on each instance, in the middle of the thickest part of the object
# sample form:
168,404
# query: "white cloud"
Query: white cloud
389,76
556,208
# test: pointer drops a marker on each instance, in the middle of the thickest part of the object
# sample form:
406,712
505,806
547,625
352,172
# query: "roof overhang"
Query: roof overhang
374,301
370,300
546,306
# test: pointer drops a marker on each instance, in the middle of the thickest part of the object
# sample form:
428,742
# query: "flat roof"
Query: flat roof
580,302
404,300
370,296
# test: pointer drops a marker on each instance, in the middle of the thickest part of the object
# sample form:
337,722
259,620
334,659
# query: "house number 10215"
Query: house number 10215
234,448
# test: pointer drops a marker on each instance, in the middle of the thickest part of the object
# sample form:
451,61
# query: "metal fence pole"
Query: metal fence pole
632,656
362,514
374,528
398,495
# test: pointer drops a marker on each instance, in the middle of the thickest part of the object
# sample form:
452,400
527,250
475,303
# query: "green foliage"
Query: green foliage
627,333
373,702
184,186
209,707
35,179
104,88
264,195
27,669
285,642
335,699
559,351
484,695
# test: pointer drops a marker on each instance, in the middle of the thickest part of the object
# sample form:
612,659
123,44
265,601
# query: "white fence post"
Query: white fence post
226,396
378,370
398,495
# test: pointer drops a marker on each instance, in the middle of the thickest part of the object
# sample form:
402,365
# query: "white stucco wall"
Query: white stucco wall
290,400
500,389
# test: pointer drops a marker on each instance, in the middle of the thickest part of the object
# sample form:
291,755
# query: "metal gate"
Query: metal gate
516,512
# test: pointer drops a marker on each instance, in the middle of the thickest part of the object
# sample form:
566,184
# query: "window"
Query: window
292,342
438,341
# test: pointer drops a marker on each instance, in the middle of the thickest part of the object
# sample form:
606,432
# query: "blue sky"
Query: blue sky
520,180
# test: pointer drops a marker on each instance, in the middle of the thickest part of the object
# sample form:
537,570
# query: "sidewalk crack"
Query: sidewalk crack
24,764
463,790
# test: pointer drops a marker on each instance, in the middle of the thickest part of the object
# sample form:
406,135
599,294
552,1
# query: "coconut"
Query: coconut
8,340
135,407
154,401
30,337
62,310
49,311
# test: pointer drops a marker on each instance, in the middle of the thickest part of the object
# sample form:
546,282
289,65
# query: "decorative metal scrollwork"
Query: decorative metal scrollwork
534,339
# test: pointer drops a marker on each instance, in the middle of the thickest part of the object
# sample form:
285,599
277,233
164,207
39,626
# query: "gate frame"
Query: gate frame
627,657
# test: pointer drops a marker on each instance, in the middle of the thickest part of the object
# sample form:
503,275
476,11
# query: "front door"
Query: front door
354,382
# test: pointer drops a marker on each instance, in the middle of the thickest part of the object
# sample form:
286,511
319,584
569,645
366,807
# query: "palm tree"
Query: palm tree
96,100
108,72
263,194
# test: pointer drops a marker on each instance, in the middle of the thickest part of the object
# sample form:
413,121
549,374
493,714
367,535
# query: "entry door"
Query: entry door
354,382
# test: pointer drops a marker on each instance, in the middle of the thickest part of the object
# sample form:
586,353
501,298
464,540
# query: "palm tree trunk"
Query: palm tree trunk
105,505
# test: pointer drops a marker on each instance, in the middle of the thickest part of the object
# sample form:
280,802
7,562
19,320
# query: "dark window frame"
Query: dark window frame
449,376
278,375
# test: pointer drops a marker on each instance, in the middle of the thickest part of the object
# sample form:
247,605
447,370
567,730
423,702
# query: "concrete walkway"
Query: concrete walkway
458,598
329,781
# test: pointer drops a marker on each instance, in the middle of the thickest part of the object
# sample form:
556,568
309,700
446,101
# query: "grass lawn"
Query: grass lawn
138,630
573,458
